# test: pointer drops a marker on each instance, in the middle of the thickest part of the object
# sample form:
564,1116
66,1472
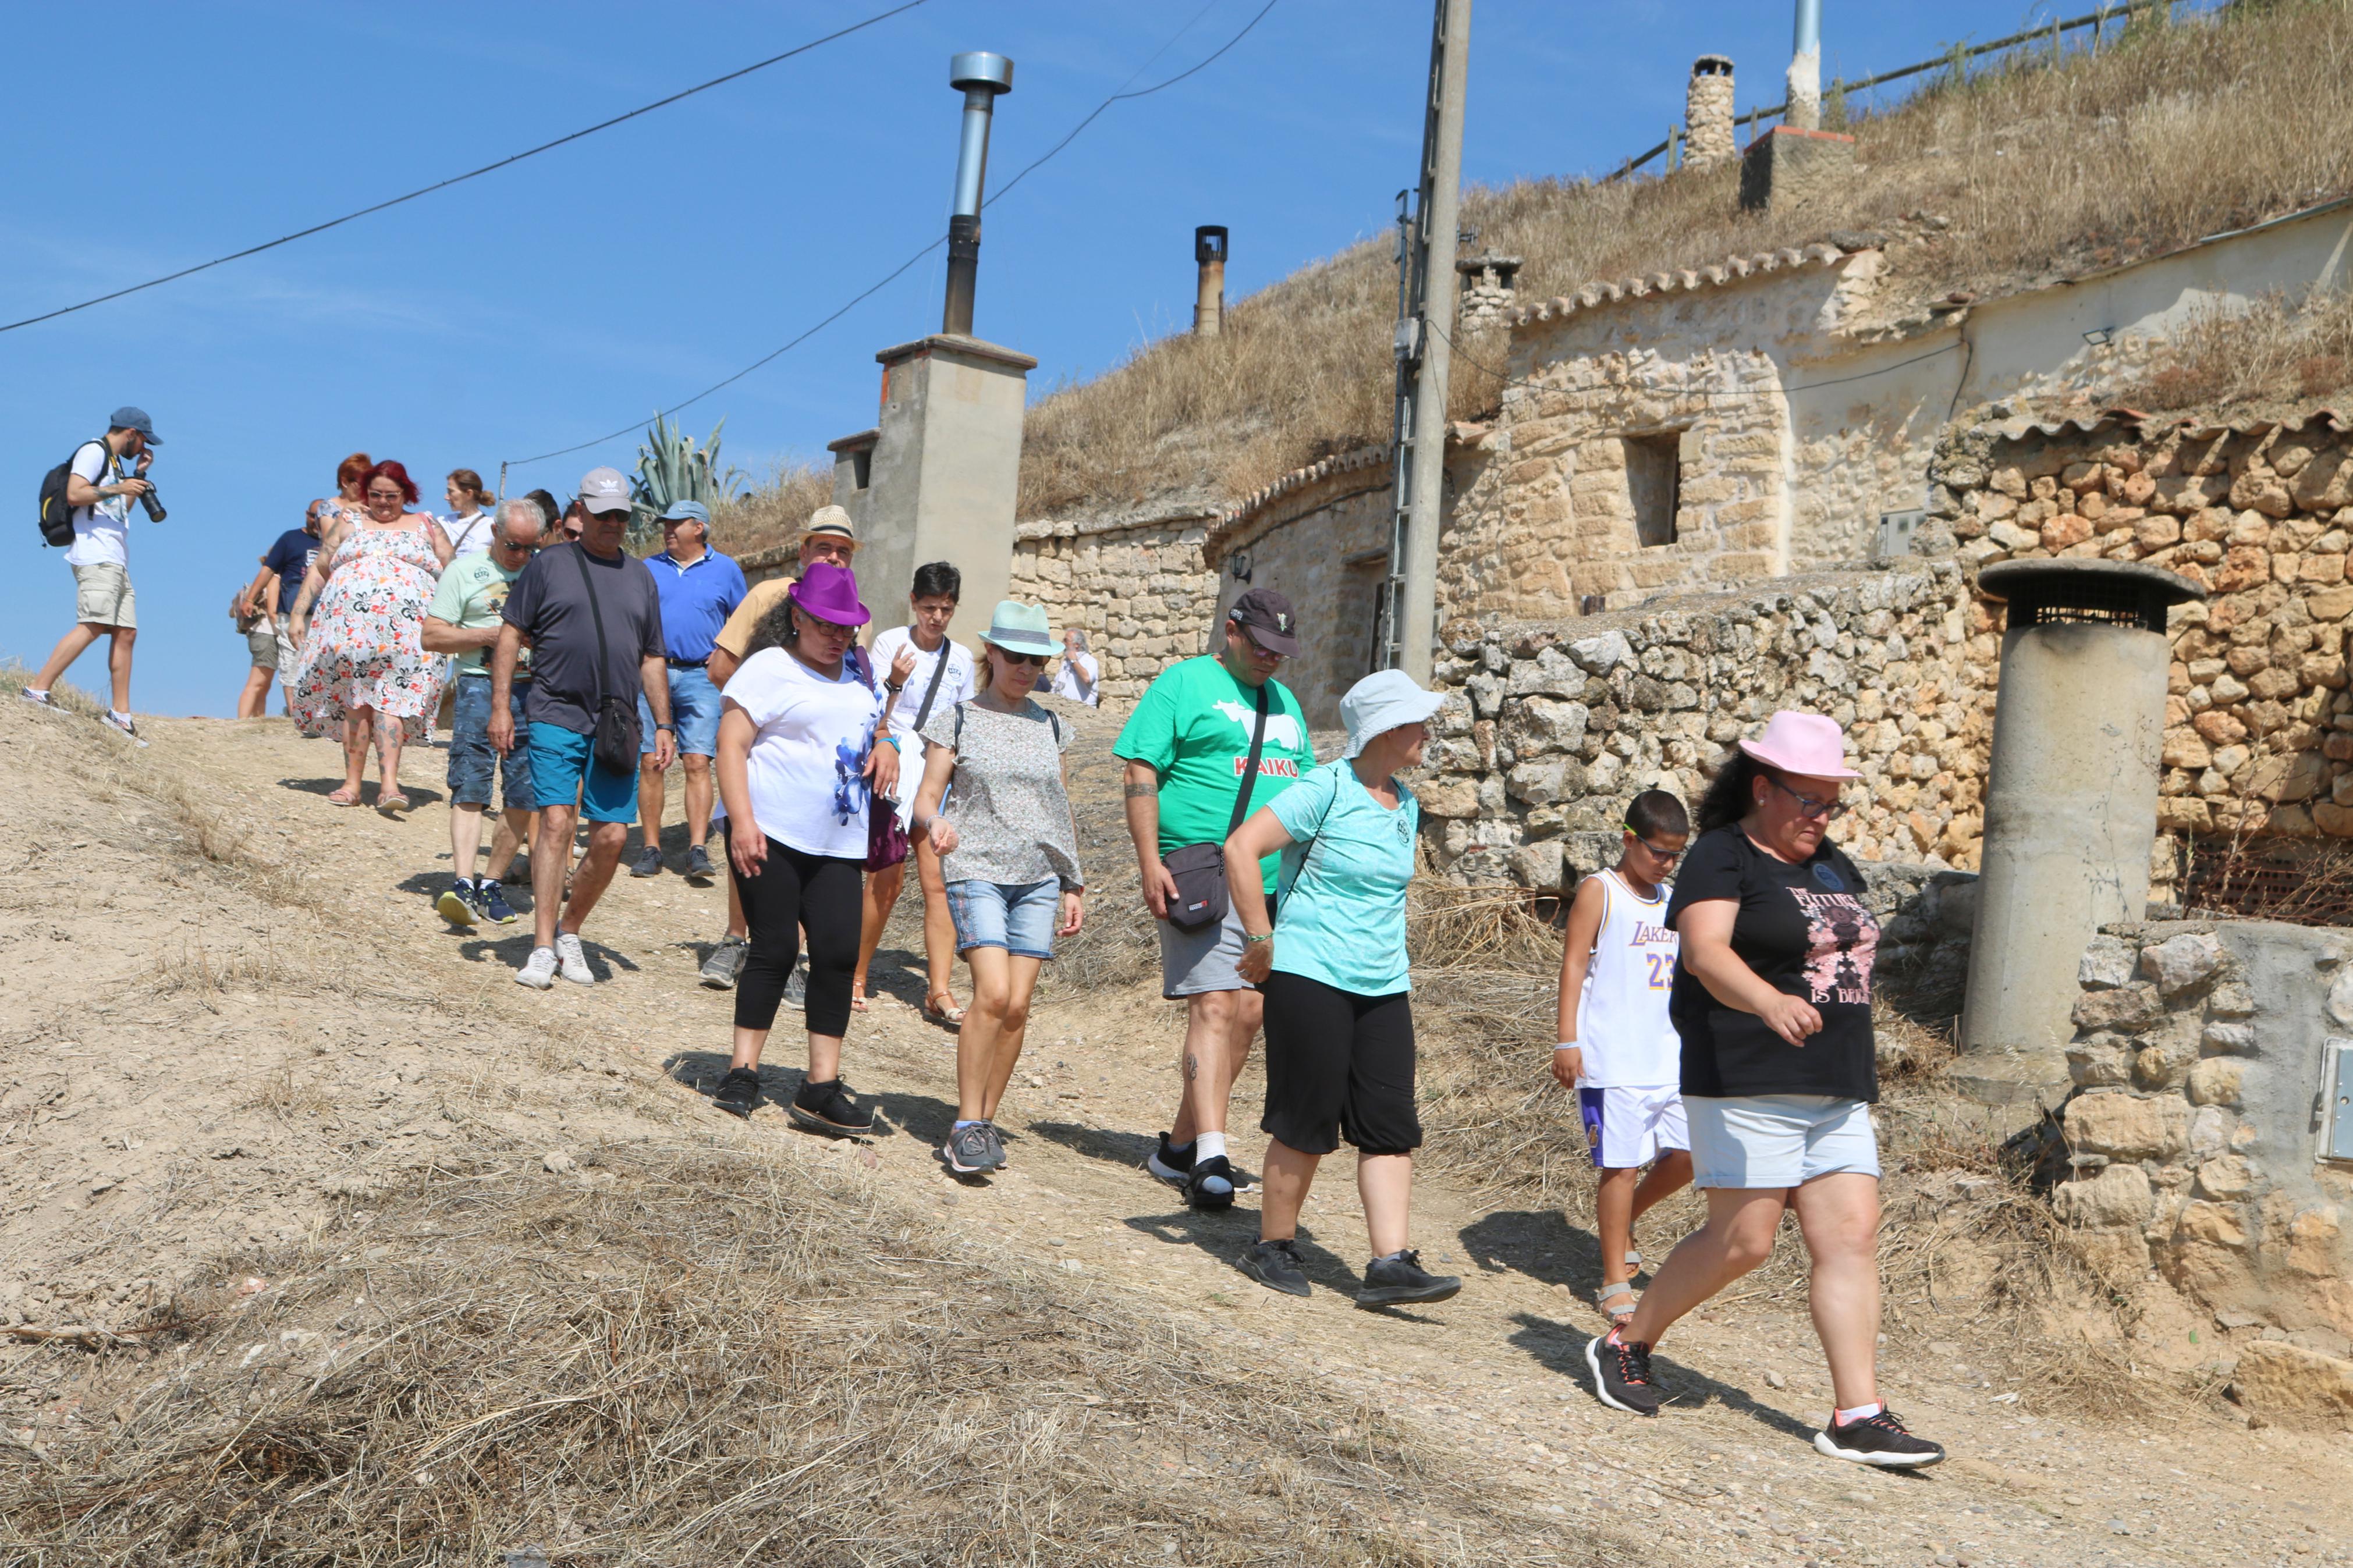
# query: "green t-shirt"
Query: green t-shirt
1193,727
471,593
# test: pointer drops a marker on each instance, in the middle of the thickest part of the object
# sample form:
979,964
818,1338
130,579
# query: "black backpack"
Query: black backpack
57,516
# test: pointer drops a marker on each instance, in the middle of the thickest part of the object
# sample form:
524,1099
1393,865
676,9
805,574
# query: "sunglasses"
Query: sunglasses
1663,857
1038,660
1809,808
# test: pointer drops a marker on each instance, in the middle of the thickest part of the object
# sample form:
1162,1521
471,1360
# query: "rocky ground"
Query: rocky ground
229,1004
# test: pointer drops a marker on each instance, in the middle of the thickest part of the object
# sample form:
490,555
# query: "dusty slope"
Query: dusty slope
334,1056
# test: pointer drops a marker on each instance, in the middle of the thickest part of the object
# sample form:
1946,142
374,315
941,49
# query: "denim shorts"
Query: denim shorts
1777,1140
1018,917
473,757
560,763
693,712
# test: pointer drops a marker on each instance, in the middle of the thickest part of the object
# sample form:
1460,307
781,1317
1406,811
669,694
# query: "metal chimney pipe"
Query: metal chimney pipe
1209,301
1805,111
980,76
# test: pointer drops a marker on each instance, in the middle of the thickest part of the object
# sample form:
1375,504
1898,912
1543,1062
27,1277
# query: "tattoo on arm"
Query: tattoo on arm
1138,788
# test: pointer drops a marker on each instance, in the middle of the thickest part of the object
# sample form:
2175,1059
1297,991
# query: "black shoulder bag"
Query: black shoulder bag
617,736
1199,869
932,690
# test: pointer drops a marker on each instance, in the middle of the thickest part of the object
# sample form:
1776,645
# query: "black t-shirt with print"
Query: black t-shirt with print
1804,930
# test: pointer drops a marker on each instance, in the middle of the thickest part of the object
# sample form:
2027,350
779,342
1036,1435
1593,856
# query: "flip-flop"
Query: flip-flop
392,802
338,797
858,1004
950,1015
1619,1316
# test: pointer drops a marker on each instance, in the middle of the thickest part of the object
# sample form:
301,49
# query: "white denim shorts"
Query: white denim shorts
1777,1140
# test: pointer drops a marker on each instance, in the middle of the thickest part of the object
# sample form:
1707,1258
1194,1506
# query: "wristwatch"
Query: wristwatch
659,727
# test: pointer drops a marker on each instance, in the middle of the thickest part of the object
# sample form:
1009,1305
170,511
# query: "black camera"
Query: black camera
147,498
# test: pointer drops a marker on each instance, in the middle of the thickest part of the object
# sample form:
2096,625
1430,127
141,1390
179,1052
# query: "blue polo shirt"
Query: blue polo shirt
696,600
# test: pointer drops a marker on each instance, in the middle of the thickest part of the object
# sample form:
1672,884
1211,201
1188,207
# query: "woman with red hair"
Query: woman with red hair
350,474
364,671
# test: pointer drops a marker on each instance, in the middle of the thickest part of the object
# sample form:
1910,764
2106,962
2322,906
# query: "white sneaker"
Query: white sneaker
575,962
38,698
538,971
122,722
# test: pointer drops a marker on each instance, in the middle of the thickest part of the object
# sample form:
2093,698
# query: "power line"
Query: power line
468,175
896,272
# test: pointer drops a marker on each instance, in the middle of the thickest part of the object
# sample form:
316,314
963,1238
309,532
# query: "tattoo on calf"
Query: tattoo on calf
1192,1066
1136,789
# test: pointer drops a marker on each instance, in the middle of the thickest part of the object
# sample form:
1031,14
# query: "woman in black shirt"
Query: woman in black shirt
1772,1001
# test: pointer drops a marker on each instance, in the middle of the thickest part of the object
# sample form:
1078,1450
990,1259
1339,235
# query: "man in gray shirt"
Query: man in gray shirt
593,618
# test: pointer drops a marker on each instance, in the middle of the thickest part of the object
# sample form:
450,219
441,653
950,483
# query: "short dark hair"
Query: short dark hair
550,510
1655,813
937,577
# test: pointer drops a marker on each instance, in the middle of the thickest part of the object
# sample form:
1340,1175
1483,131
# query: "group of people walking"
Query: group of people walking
1715,1008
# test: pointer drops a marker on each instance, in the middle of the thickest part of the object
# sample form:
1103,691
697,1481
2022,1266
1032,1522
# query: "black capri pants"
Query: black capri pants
796,890
1338,1065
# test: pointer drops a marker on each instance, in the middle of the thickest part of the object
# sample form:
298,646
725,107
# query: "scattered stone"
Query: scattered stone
1776,1380
2287,1384
558,1164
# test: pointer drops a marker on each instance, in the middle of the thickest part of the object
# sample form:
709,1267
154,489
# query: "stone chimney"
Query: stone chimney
1707,114
1488,284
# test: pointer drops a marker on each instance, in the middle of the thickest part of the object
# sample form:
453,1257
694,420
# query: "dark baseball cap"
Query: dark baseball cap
130,418
1268,619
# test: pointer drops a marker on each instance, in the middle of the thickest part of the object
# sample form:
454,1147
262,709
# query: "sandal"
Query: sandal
1624,1292
345,796
1634,1261
951,1014
395,801
858,1002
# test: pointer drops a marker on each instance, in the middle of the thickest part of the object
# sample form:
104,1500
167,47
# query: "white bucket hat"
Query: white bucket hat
1383,702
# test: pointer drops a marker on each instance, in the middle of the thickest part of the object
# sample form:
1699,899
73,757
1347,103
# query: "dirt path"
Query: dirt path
1494,1378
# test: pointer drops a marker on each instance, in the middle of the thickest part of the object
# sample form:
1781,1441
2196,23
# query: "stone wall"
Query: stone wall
2260,720
1553,727
2197,1061
1138,588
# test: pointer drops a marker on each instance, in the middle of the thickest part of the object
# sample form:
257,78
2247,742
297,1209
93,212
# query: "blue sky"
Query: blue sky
563,298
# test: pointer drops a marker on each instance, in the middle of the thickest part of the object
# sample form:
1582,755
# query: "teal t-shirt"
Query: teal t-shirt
1193,727
469,597
1341,917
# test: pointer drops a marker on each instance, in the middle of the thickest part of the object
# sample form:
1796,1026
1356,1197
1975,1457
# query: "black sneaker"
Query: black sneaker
826,1108
739,1091
1211,1184
1878,1440
1276,1264
1170,1162
698,864
1393,1281
1621,1375
647,863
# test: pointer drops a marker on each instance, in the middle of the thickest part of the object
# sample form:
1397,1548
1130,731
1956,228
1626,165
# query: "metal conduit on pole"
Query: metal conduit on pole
1805,112
981,76
1413,560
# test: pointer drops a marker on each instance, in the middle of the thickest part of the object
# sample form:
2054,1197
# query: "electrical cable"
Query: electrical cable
470,174
897,271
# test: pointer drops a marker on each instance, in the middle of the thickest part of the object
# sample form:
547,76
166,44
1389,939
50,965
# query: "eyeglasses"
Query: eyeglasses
1808,807
385,495
1663,857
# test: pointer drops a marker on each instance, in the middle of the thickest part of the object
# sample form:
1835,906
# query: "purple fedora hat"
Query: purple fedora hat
830,593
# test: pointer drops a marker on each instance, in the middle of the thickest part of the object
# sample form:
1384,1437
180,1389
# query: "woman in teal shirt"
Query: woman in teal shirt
1339,1024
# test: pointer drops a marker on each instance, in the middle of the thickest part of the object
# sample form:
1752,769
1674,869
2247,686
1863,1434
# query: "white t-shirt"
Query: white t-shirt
806,771
1066,677
958,683
469,536
102,532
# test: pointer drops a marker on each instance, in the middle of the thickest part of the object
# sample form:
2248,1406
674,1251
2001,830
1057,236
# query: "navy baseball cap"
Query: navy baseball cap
128,418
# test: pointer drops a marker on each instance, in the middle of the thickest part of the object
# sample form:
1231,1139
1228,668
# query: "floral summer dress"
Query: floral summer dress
367,642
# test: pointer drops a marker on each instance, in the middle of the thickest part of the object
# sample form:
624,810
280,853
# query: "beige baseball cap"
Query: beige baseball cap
830,520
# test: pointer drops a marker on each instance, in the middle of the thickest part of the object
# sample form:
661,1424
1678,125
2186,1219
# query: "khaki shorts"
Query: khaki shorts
286,649
102,596
261,644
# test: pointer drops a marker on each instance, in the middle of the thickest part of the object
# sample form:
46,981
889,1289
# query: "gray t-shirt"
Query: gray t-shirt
1006,801
549,604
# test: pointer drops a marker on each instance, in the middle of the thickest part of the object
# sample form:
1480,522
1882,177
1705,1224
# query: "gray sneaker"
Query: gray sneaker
970,1150
647,863
725,963
797,987
698,864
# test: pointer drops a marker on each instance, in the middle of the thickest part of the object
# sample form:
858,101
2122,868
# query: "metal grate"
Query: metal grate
2093,601
2269,879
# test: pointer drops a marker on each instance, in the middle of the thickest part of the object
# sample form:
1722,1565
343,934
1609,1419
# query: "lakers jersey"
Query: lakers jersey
1621,1020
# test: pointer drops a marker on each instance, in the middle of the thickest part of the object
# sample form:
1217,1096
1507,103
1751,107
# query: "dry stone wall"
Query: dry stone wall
1140,590
2197,1057
2259,725
1553,727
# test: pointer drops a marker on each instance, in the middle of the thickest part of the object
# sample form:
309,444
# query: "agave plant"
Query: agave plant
671,467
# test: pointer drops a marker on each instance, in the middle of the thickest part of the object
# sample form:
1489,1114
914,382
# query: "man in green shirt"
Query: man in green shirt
463,619
1185,747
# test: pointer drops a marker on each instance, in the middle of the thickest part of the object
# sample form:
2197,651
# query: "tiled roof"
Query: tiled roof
2189,428
1731,272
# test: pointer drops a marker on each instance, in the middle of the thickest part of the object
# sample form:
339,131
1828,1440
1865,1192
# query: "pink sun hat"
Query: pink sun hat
1806,744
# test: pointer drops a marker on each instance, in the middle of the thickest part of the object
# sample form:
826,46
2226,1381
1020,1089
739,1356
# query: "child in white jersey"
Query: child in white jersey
1617,1048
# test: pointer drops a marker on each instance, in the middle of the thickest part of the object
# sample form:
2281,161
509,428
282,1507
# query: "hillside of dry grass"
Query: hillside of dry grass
773,513
2042,170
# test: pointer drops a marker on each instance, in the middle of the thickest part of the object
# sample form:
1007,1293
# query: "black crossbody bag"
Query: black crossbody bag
618,735
1199,869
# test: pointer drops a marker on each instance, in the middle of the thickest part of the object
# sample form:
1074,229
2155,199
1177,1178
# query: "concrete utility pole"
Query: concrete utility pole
1426,338
1805,111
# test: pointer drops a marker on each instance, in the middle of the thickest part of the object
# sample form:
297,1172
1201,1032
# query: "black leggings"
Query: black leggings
1338,1065
795,891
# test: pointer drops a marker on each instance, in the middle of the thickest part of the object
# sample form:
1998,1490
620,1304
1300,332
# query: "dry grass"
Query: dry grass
2270,357
2182,131
698,1357
771,513
14,676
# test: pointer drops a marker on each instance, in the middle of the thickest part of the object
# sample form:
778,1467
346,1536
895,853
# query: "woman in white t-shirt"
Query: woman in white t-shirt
469,524
798,770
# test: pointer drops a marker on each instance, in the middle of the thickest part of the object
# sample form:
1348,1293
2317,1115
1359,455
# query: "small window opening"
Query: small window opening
861,468
1654,481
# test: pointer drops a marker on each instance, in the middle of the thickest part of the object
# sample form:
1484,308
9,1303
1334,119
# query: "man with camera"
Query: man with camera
100,493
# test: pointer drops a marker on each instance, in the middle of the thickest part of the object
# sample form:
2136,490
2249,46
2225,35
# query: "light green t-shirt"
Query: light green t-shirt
1342,916
1193,727
471,593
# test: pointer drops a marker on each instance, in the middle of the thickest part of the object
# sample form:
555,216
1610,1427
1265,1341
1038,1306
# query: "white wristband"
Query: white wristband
1566,1045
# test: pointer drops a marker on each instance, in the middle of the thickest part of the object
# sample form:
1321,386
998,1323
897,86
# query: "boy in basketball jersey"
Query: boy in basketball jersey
1617,1048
